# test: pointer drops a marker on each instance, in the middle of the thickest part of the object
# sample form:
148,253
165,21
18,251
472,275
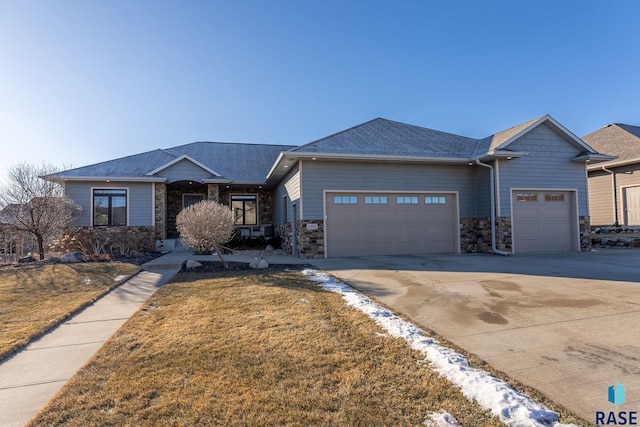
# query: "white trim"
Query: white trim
110,179
456,219
109,188
575,207
613,164
554,122
300,188
178,159
153,205
497,189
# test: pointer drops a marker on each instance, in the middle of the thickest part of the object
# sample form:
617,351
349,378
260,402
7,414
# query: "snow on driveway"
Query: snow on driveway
514,408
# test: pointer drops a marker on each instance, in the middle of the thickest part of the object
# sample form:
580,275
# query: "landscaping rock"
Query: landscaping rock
71,258
269,248
192,264
258,264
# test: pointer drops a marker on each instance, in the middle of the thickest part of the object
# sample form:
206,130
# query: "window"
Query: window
245,209
526,197
435,200
109,207
407,200
554,197
345,200
375,200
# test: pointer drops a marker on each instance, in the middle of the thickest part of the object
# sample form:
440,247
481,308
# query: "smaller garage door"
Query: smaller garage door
543,221
364,224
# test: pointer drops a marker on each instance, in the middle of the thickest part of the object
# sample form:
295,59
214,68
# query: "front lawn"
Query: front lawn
255,348
33,298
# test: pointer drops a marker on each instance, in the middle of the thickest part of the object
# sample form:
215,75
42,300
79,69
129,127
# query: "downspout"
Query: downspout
493,209
615,195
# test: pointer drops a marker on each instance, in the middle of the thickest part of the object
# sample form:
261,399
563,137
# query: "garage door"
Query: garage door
363,224
543,221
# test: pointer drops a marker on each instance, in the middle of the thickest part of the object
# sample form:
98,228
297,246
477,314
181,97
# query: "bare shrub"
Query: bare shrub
204,226
34,203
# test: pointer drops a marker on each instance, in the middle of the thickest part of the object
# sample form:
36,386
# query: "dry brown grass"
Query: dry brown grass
249,348
35,298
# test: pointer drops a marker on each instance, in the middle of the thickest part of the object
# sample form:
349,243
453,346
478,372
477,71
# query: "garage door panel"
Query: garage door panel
542,221
393,228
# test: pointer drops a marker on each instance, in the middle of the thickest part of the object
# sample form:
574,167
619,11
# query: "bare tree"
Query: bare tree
206,225
34,203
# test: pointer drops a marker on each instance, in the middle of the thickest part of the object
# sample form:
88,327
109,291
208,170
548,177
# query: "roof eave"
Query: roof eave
614,164
501,154
592,158
379,158
109,178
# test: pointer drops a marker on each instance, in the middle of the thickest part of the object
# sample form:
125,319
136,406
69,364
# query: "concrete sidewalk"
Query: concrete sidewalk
30,378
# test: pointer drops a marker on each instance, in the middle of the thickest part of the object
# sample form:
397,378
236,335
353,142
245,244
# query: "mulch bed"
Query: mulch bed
217,267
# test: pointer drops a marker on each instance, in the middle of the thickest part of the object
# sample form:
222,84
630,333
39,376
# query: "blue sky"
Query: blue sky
86,81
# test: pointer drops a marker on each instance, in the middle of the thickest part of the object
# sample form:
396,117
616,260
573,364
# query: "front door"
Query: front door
632,205
191,199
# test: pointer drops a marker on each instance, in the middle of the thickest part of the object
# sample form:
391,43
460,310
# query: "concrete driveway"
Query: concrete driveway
565,324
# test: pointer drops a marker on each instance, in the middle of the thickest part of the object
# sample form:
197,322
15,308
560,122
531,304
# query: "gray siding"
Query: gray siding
290,187
600,199
140,199
482,191
184,170
319,175
548,165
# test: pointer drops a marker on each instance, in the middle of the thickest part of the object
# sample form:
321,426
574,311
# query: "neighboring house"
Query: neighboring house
382,187
614,186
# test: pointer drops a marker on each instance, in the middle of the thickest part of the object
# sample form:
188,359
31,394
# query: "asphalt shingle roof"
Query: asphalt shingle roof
617,140
234,161
382,137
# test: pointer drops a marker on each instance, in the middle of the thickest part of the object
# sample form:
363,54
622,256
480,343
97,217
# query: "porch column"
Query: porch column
161,210
213,192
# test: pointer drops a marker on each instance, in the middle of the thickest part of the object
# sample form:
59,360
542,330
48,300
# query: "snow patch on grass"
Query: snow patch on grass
514,408
440,419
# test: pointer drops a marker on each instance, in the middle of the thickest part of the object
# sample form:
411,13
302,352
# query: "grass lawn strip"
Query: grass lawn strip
256,348
513,408
36,298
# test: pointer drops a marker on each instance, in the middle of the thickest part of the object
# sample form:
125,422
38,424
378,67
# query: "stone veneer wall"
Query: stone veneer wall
161,210
504,240
284,232
585,233
213,192
475,235
311,241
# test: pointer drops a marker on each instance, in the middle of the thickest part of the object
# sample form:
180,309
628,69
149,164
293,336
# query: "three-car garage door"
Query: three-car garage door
364,224
543,221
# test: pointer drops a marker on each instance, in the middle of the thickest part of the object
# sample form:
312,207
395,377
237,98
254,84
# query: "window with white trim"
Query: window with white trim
245,209
376,200
435,200
554,197
109,207
345,200
407,200
526,197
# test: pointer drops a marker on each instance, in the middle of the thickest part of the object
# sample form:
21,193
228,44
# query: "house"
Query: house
381,187
614,186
